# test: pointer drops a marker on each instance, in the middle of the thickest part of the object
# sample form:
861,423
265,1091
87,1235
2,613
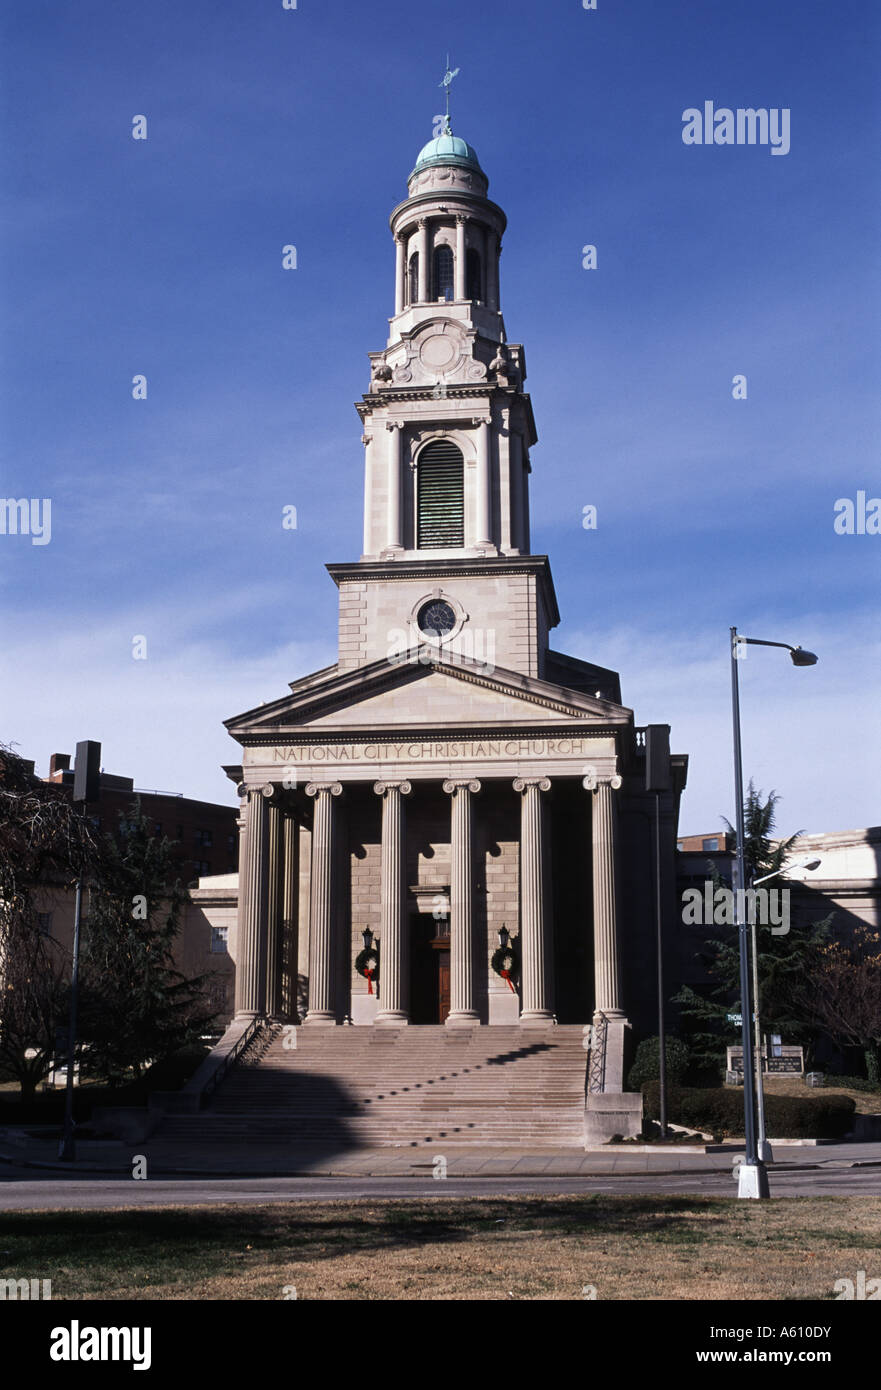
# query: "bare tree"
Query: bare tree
842,995
43,841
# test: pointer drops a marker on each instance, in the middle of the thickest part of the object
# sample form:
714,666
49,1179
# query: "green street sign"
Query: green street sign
735,1018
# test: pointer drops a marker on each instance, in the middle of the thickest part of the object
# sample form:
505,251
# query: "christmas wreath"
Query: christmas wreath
367,964
504,962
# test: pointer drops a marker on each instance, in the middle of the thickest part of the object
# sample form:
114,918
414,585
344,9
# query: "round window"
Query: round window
436,618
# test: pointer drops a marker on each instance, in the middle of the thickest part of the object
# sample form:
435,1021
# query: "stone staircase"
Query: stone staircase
351,1087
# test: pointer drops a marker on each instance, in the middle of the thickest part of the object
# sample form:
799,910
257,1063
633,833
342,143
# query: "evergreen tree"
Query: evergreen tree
783,960
137,1007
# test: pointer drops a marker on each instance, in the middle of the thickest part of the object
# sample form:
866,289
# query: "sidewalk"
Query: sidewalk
33,1149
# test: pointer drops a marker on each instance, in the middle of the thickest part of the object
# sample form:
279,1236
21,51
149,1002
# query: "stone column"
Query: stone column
396,435
368,494
394,945
253,909
609,1019
484,484
290,915
535,916
399,274
424,268
273,912
460,257
322,1003
515,485
462,1010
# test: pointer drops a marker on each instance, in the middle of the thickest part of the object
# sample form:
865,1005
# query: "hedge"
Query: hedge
718,1110
647,1062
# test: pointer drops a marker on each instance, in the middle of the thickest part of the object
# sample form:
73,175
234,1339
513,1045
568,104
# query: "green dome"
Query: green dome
447,149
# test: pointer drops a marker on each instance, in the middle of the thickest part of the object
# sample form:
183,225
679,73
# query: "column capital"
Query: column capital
460,784
593,782
522,784
394,425
481,420
381,788
461,219
313,788
366,438
267,789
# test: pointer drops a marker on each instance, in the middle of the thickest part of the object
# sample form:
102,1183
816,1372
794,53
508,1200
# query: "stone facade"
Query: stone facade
452,783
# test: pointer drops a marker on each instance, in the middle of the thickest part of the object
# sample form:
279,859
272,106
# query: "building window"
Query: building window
443,273
473,277
44,922
413,277
201,866
710,845
231,842
219,938
204,839
440,496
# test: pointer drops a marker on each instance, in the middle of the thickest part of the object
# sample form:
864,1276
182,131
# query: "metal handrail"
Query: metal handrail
596,1057
229,1061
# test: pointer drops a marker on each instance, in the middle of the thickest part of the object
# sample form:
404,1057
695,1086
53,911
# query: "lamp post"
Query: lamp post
765,1151
752,1175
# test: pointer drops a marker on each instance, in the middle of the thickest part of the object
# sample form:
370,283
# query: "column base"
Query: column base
392,1018
609,1114
319,1018
463,1018
537,1018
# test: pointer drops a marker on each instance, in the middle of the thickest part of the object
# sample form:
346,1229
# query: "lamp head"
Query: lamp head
802,658
367,938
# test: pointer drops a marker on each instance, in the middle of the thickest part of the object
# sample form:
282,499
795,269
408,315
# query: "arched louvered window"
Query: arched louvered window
413,278
443,273
473,277
440,496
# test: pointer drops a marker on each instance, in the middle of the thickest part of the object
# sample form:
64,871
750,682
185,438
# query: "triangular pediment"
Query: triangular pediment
421,688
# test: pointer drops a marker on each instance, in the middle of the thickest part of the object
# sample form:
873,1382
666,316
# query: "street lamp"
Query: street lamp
752,1175
764,1147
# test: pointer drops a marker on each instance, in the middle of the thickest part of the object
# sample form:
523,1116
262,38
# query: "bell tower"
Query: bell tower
447,430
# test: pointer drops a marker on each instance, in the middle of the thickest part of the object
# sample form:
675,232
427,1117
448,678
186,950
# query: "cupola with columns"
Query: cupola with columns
447,430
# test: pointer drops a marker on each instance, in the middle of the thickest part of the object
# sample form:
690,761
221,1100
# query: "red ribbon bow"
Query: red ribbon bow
506,975
369,973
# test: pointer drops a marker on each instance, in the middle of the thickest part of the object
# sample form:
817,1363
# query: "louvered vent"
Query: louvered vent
440,497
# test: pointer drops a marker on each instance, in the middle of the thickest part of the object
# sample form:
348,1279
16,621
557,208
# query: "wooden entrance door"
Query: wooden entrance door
430,971
443,980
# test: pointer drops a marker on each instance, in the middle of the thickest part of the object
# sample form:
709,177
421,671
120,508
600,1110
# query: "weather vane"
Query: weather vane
446,84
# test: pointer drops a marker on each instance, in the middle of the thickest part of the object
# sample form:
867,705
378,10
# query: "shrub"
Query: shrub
718,1110
647,1062
851,1083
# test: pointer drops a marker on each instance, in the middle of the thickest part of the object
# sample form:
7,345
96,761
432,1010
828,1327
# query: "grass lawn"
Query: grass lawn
443,1248
867,1102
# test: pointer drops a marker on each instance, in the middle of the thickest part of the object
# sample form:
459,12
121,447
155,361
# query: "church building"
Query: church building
453,824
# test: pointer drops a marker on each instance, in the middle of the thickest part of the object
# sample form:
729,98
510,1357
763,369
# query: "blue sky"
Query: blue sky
268,127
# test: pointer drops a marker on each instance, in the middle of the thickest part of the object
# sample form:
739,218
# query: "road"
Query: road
19,1191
